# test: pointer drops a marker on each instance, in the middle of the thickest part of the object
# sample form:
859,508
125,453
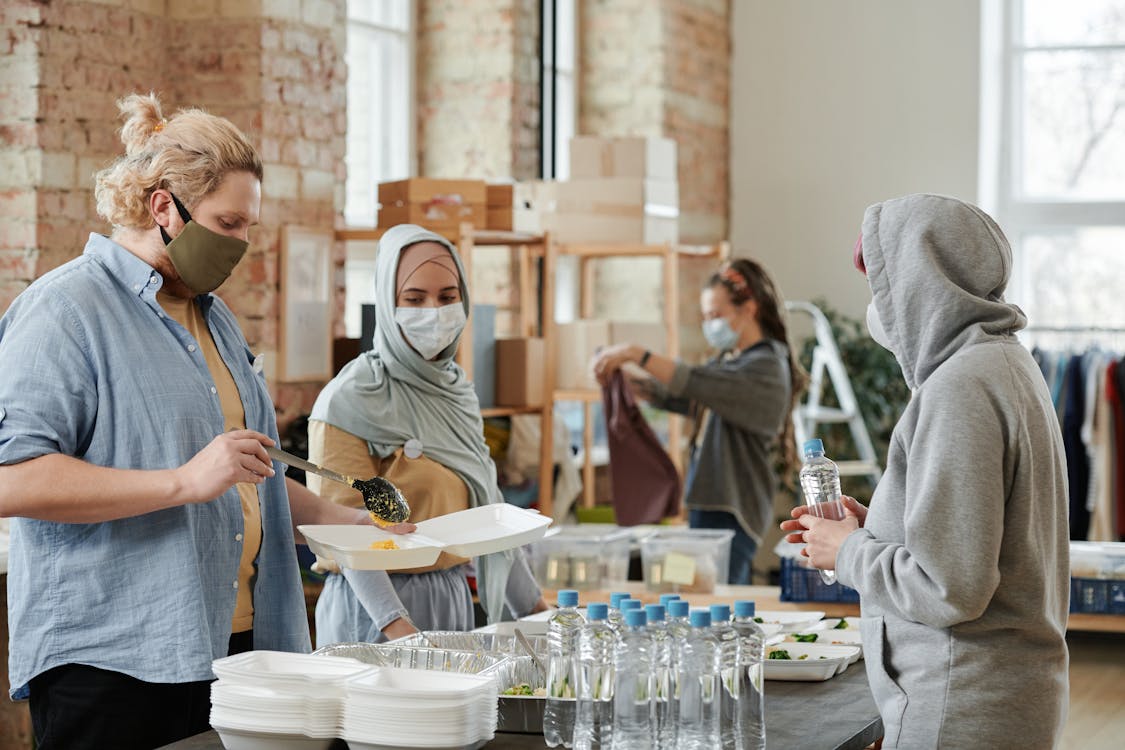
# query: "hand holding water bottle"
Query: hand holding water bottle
820,483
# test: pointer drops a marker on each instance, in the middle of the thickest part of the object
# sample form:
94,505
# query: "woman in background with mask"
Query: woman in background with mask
152,534
742,401
406,411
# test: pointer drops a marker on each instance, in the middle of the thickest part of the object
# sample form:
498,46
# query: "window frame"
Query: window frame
553,140
1001,141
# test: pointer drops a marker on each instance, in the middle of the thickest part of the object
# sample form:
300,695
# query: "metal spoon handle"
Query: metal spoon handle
300,463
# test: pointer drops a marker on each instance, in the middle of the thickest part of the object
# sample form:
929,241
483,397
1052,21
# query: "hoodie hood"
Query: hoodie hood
938,268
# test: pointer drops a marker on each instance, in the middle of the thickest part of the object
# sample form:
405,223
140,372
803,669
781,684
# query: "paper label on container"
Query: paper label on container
679,569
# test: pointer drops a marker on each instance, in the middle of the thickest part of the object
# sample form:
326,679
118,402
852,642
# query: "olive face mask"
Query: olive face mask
203,259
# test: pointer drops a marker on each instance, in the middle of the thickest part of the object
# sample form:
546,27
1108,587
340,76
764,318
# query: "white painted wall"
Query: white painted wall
836,105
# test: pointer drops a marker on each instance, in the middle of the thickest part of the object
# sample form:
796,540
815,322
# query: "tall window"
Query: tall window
380,101
380,137
1060,156
558,89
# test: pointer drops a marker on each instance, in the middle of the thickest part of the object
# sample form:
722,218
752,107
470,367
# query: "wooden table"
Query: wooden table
837,714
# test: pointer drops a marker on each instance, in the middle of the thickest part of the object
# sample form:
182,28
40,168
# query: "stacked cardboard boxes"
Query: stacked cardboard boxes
438,205
620,190
520,206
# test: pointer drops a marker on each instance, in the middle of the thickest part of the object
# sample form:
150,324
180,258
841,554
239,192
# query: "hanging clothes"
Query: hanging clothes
645,483
1073,401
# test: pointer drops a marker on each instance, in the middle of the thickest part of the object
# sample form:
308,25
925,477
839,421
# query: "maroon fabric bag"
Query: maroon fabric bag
645,483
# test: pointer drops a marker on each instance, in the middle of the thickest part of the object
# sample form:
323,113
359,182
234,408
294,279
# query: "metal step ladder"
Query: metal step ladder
809,415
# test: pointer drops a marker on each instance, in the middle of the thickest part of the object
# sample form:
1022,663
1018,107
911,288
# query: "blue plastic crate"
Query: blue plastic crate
800,584
1097,596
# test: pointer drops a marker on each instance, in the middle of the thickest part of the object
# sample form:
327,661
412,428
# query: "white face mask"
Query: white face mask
719,333
430,329
875,328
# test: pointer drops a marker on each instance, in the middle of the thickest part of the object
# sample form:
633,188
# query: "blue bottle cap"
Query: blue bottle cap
743,609
814,446
616,597
665,598
636,618
568,598
720,613
655,612
678,608
700,618
596,611
627,604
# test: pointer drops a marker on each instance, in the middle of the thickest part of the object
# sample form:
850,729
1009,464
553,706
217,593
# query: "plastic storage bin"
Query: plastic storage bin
583,557
686,560
1097,577
801,584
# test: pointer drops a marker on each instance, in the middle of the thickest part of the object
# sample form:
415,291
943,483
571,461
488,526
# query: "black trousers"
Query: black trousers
78,707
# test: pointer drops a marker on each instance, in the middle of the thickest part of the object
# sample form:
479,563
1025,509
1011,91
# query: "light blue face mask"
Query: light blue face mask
719,334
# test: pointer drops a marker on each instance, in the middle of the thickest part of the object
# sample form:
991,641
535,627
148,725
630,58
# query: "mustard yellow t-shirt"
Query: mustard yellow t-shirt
187,313
431,489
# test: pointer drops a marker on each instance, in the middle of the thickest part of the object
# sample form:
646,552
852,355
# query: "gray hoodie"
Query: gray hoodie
963,563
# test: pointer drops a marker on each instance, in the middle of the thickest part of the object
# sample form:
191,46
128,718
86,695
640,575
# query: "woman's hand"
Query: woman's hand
399,628
822,537
610,359
849,503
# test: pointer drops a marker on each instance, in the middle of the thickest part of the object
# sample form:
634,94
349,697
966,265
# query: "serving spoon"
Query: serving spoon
380,496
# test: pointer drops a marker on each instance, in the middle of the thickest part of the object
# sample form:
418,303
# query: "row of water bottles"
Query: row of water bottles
628,677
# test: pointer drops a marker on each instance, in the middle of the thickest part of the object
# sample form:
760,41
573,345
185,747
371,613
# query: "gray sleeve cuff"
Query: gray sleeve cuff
377,594
678,384
845,564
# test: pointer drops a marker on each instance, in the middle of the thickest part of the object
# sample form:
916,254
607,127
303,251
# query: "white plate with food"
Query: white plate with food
827,637
807,662
791,621
466,533
369,547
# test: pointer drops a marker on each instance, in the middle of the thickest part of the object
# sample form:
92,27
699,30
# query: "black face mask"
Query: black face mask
203,259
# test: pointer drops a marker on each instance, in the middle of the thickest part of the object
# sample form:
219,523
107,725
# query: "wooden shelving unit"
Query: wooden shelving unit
587,254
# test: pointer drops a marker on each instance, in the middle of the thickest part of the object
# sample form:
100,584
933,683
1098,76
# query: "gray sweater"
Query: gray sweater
963,563
748,395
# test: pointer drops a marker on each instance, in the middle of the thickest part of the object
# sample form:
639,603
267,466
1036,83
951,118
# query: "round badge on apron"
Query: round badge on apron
412,448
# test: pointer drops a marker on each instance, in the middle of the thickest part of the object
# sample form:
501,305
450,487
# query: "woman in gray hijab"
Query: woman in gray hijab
405,410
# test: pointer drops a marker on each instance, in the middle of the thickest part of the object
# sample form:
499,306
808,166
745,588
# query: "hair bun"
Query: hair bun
143,119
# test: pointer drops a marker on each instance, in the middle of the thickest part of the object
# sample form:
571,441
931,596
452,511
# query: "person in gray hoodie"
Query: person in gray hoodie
962,560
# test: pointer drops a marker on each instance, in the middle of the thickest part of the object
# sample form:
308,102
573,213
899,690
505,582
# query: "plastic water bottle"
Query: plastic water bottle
750,722
728,664
563,628
597,643
820,483
665,598
615,618
632,689
677,618
664,731
698,677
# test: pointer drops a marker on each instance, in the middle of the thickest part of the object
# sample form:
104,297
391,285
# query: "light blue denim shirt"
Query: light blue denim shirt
92,367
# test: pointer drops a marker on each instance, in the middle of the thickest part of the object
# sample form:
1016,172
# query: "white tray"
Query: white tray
467,533
823,662
791,621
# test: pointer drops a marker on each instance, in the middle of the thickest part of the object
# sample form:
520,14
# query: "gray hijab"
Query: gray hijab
389,395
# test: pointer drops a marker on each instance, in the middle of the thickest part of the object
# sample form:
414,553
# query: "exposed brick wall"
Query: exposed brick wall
662,69
478,88
697,111
275,69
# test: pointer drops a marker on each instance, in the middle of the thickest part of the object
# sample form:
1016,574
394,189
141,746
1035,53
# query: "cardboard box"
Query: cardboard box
574,228
432,203
645,157
520,206
615,209
577,343
519,371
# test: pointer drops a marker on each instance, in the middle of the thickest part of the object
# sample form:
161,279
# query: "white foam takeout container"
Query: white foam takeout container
467,533
822,662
